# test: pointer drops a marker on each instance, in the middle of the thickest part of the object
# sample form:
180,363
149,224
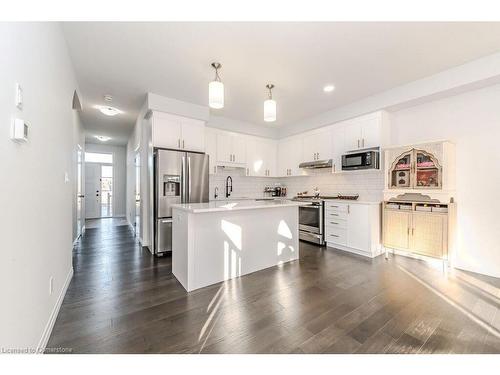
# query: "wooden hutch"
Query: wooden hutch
419,208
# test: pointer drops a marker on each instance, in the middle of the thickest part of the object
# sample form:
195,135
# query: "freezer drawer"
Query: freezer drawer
163,236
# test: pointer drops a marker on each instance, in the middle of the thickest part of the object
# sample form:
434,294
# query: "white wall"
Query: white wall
472,121
119,173
78,141
36,221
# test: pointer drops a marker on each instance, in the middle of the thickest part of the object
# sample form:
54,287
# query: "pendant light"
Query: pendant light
216,89
270,106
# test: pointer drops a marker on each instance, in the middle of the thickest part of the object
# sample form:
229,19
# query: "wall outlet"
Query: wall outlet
51,285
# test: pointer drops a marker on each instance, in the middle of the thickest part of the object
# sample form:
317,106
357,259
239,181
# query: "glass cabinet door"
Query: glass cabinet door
427,171
401,172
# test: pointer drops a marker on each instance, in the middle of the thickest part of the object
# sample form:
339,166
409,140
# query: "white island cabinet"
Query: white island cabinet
217,241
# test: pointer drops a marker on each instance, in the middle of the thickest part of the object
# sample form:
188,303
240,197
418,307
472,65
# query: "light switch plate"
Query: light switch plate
66,177
19,96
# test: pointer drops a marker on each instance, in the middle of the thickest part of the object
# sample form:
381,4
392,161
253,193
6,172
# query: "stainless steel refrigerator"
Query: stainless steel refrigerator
180,177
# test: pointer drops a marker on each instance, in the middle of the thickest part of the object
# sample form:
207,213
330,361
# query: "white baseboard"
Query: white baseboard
53,316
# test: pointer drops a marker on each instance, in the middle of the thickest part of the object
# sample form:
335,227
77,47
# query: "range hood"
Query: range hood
316,164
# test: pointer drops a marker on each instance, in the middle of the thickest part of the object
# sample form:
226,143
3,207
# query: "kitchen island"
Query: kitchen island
217,241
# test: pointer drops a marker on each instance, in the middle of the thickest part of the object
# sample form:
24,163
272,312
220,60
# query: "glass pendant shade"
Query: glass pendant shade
269,110
216,94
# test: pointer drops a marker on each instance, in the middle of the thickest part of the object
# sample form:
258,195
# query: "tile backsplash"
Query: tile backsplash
368,184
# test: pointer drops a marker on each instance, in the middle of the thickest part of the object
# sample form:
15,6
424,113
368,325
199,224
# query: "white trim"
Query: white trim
53,316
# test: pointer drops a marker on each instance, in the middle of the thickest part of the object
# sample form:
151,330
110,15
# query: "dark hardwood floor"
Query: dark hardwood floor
123,300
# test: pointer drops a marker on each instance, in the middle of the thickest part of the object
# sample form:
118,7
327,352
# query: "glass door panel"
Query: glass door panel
106,190
401,172
426,171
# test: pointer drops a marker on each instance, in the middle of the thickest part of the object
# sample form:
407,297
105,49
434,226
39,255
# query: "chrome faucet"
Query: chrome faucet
229,186
216,192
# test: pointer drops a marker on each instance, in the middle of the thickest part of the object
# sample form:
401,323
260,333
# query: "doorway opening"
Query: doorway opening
99,183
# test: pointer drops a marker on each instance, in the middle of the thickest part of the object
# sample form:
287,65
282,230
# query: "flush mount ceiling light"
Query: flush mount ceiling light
328,88
107,110
216,89
108,98
103,138
270,106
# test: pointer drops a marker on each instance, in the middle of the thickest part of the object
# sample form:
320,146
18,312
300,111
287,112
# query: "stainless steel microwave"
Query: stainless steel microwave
360,160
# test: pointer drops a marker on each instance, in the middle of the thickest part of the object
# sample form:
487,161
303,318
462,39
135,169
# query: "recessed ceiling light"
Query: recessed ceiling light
108,98
328,88
107,110
103,138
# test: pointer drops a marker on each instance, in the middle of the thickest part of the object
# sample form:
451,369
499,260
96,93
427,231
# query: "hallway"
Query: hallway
123,300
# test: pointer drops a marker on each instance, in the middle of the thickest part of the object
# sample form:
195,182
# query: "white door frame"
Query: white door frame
99,216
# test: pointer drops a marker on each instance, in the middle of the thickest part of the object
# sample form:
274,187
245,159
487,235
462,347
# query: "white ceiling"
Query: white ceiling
127,60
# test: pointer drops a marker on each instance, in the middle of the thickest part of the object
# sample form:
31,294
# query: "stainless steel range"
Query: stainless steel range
312,217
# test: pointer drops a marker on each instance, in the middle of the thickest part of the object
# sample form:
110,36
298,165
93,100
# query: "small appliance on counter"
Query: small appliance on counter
275,191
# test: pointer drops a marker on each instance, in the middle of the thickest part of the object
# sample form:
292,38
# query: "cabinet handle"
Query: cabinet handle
408,231
178,143
363,142
412,231
333,222
215,169
333,235
358,143
348,208
183,143
247,172
334,214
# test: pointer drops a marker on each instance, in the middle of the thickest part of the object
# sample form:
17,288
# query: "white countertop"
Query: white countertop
231,205
347,201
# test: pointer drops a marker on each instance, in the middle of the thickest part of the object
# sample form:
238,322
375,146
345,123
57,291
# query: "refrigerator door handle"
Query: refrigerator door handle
189,179
183,179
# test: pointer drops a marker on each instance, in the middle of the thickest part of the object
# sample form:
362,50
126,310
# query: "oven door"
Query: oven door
311,219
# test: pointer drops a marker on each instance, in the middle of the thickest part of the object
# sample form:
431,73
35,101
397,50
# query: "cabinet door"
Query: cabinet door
309,147
323,145
193,135
270,150
396,229
238,148
358,227
338,144
224,148
211,149
284,153
370,132
166,130
295,154
353,135
255,157
428,234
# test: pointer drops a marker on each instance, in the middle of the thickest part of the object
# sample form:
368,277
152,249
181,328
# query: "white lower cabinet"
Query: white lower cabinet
353,227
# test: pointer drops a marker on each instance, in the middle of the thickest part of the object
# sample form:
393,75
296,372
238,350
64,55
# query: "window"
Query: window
95,157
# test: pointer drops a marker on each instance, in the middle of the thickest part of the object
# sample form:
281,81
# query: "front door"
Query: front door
93,190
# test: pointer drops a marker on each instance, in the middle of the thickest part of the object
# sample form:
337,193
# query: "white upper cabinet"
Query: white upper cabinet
167,130
261,157
211,149
289,157
316,146
231,148
366,131
193,135
338,146
176,132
